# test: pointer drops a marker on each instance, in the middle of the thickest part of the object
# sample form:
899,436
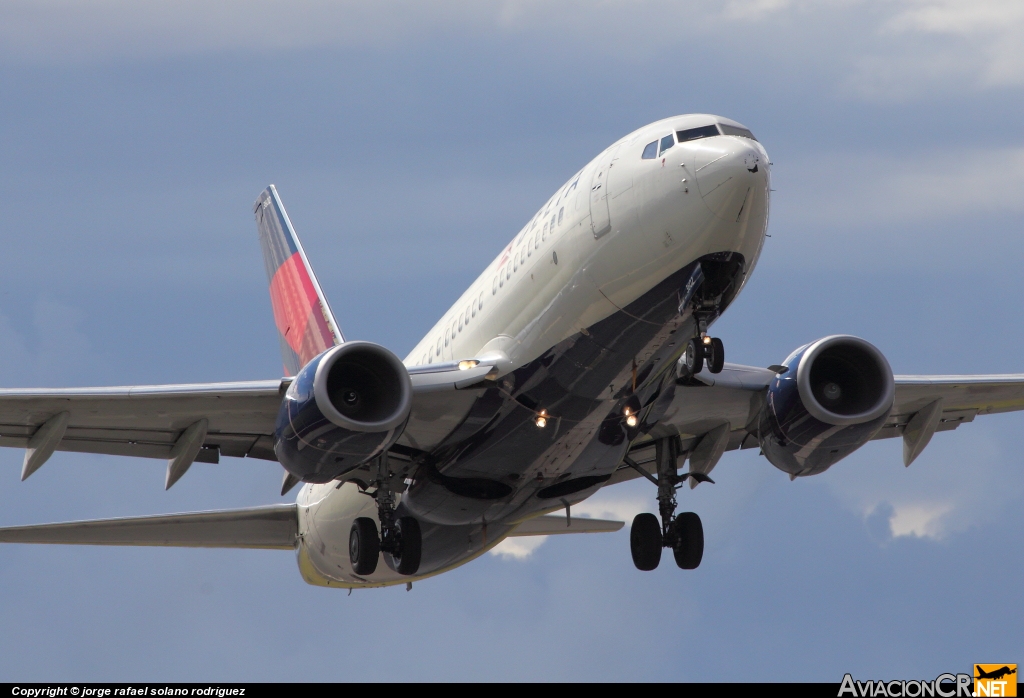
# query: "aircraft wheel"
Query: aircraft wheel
689,535
716,355
645,541
363,546
693,359
408,560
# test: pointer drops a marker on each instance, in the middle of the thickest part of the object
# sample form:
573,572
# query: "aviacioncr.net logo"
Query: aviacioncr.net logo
995,680
943,686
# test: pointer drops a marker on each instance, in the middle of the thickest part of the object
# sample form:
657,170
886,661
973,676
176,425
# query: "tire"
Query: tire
693,359
408,562
689,549
363,546
716,359
645,541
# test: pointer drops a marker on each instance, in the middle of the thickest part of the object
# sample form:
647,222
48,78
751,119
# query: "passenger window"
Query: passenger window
494,286
529,248
480,301
544,233
515,262
508,271
560,212
438,352
474,310
536,242
460,322
501,279
651,151
447,335
666,143
467,314
552,222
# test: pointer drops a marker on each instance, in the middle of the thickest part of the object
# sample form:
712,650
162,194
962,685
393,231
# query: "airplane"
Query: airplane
579,359
995,674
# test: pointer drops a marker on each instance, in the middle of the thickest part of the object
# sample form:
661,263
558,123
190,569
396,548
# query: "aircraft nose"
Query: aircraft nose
727,168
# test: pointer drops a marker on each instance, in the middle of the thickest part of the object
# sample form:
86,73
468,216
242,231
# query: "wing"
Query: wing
926,404
146,421
718,413
274,527
202,422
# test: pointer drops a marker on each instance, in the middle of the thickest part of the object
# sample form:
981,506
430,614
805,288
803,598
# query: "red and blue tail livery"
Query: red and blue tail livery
304,320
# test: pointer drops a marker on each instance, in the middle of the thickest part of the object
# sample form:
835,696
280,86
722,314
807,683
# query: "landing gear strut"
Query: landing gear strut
684,533
400,537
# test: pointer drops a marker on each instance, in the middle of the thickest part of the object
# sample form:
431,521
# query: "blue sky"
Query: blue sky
409,141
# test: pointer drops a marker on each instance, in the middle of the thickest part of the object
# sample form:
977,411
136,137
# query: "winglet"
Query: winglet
304,320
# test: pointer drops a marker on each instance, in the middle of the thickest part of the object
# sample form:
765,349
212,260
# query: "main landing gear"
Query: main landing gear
701,350
683,533
400,537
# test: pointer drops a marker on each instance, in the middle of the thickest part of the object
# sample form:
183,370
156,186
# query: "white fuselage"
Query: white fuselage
618,227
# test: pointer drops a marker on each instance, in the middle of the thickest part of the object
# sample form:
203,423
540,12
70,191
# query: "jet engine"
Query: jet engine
827,400
347,405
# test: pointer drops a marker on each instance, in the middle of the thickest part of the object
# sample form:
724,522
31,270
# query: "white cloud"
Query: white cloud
919,520
875,49
872,188
518,548
753,10
902,208
924,45
961,481
618,506
54,29
614,505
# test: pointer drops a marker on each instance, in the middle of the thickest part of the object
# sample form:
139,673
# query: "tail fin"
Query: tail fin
304,320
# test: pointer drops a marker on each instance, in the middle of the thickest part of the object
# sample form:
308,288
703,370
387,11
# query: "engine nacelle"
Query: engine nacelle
344,407
835,395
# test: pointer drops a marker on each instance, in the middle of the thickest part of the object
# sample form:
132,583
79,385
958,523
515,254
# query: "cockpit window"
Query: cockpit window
666,143
651,151
728,130
692,134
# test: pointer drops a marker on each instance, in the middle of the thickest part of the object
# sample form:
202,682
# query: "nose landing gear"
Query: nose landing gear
684,533
400,537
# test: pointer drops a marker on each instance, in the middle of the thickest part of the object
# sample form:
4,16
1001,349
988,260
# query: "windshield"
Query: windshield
692,134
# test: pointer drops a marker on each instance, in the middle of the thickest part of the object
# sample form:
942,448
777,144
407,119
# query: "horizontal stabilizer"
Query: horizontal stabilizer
556,523
270,527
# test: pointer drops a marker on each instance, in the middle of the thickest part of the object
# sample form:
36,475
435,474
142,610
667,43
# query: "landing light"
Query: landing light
631,420
707,340
467,364
542,419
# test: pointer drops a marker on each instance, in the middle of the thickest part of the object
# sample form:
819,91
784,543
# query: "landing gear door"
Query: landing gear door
599,218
